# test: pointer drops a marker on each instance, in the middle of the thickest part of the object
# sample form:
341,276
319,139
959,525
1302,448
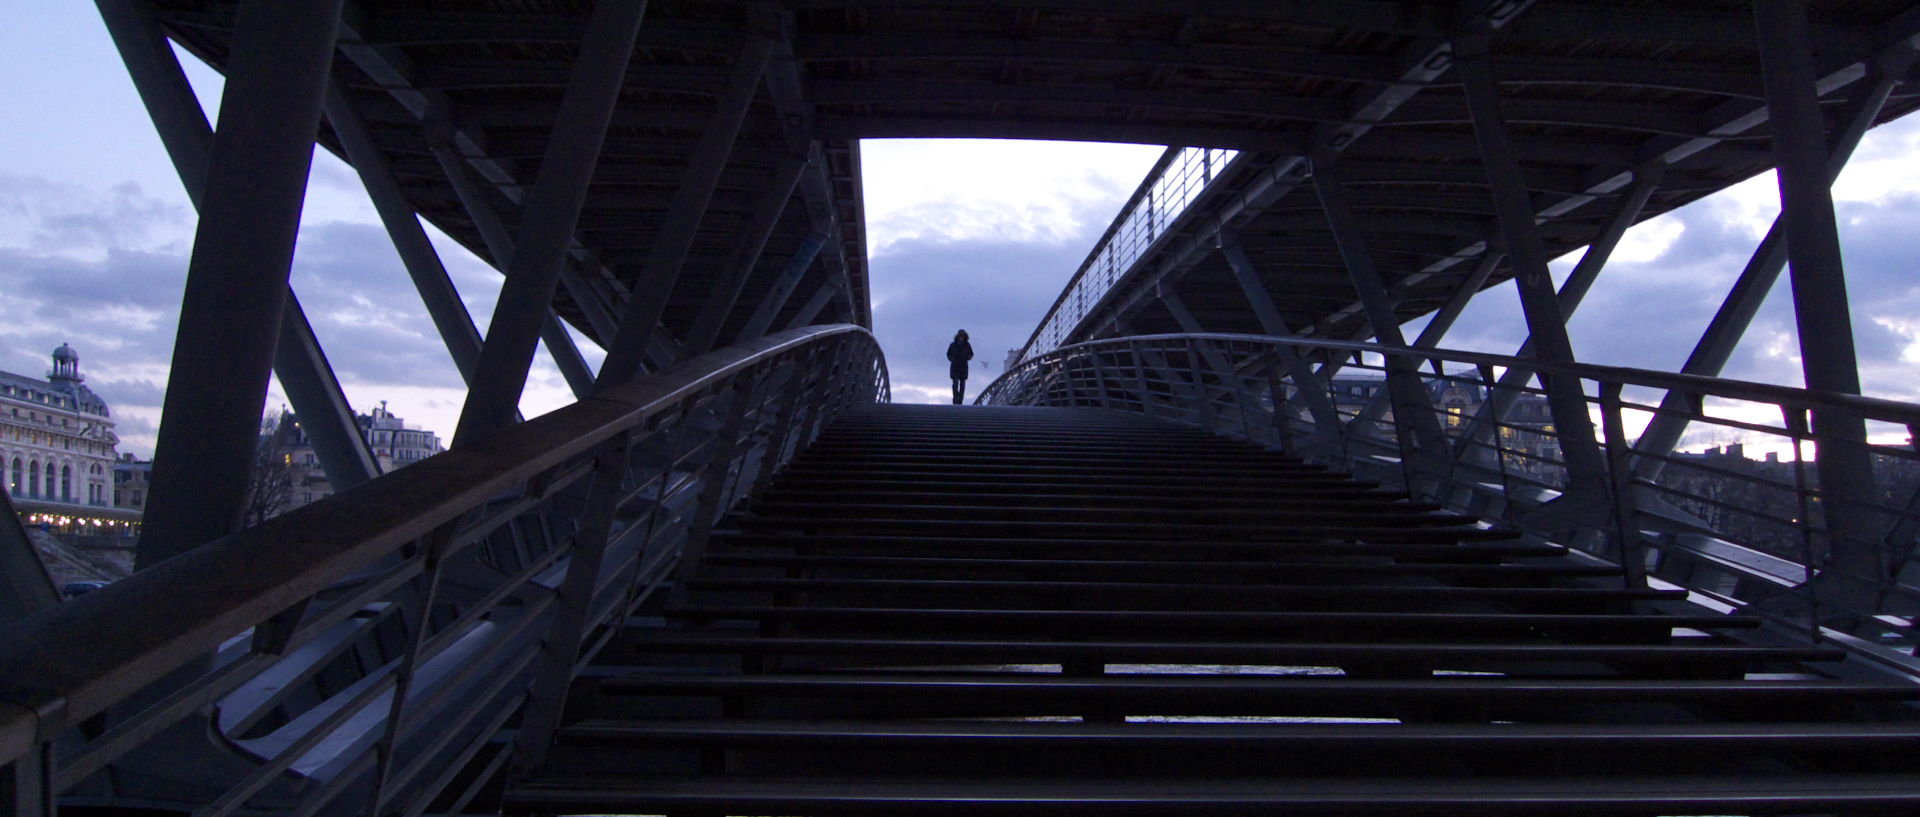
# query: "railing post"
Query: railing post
1202,402
1633,560
1100,379
1277,395
1140,378
1812,562
1817,278
26,784
419,617
820,408
781,430
713,478
547,700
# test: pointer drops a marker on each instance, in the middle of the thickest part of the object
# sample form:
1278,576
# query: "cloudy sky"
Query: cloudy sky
95,232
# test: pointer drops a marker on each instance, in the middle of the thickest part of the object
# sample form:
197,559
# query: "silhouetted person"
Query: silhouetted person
959,352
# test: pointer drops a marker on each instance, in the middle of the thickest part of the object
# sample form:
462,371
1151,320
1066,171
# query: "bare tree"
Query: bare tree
271,489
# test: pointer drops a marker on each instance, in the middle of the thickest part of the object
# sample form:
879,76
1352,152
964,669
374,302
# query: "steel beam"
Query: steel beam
1223,368
25,586
163,88
1259,298
437,292
317,399
814,303
566,356
237,278
460,152
1435,329
1546,321
298,359
746,256
1419,430
1818,279
776,297
493,232
550,213
798,129
1501,399
1750,290
661,270
1424,61
1442,321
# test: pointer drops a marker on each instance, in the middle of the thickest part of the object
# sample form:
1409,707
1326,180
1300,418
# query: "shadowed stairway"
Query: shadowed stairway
958,610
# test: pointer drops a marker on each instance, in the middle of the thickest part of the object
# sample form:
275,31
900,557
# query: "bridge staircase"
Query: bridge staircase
962,610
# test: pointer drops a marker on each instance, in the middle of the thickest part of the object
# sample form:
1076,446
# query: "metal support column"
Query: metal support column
1750,290
1546,322
560,650
661,270
776,298
493,232
1423,447
237,278
322,406
1435,329
726,291
298,360
1222,367
1501,399
1258,297
1325,416
437,293
25,586
814,303
1818,279
550,213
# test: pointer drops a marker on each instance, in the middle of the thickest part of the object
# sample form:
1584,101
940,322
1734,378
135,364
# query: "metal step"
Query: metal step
1272,624
1281,566
1410,656
1038,612
1357,795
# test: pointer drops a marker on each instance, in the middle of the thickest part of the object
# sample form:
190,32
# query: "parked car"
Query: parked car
77,589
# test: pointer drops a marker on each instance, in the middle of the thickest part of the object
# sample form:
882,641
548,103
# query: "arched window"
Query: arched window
66,483
14,486
33,478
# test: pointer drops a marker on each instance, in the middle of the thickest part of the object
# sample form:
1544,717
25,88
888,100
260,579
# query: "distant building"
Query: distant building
395,444
289,474
1528,445
57,450
56,436
131,481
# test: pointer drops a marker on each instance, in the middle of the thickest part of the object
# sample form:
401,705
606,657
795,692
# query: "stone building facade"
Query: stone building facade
289,473
56,438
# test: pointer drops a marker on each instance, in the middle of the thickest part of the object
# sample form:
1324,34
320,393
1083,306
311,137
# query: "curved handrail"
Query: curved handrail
76,660
1875,408
1761,534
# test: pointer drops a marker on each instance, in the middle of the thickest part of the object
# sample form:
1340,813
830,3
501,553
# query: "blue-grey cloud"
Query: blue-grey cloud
365,309
1650,313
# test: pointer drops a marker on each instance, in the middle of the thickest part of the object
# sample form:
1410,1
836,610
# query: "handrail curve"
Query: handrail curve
80,659
1825,563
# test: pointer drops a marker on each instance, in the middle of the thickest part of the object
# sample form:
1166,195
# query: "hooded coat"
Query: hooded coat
958,353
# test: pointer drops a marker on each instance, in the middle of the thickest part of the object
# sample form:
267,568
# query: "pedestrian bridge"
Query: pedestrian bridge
1224,541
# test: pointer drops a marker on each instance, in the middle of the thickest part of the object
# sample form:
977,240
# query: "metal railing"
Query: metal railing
1757,535
1172,184
389,650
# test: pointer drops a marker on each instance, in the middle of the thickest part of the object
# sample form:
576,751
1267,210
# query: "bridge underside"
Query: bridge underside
679,181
